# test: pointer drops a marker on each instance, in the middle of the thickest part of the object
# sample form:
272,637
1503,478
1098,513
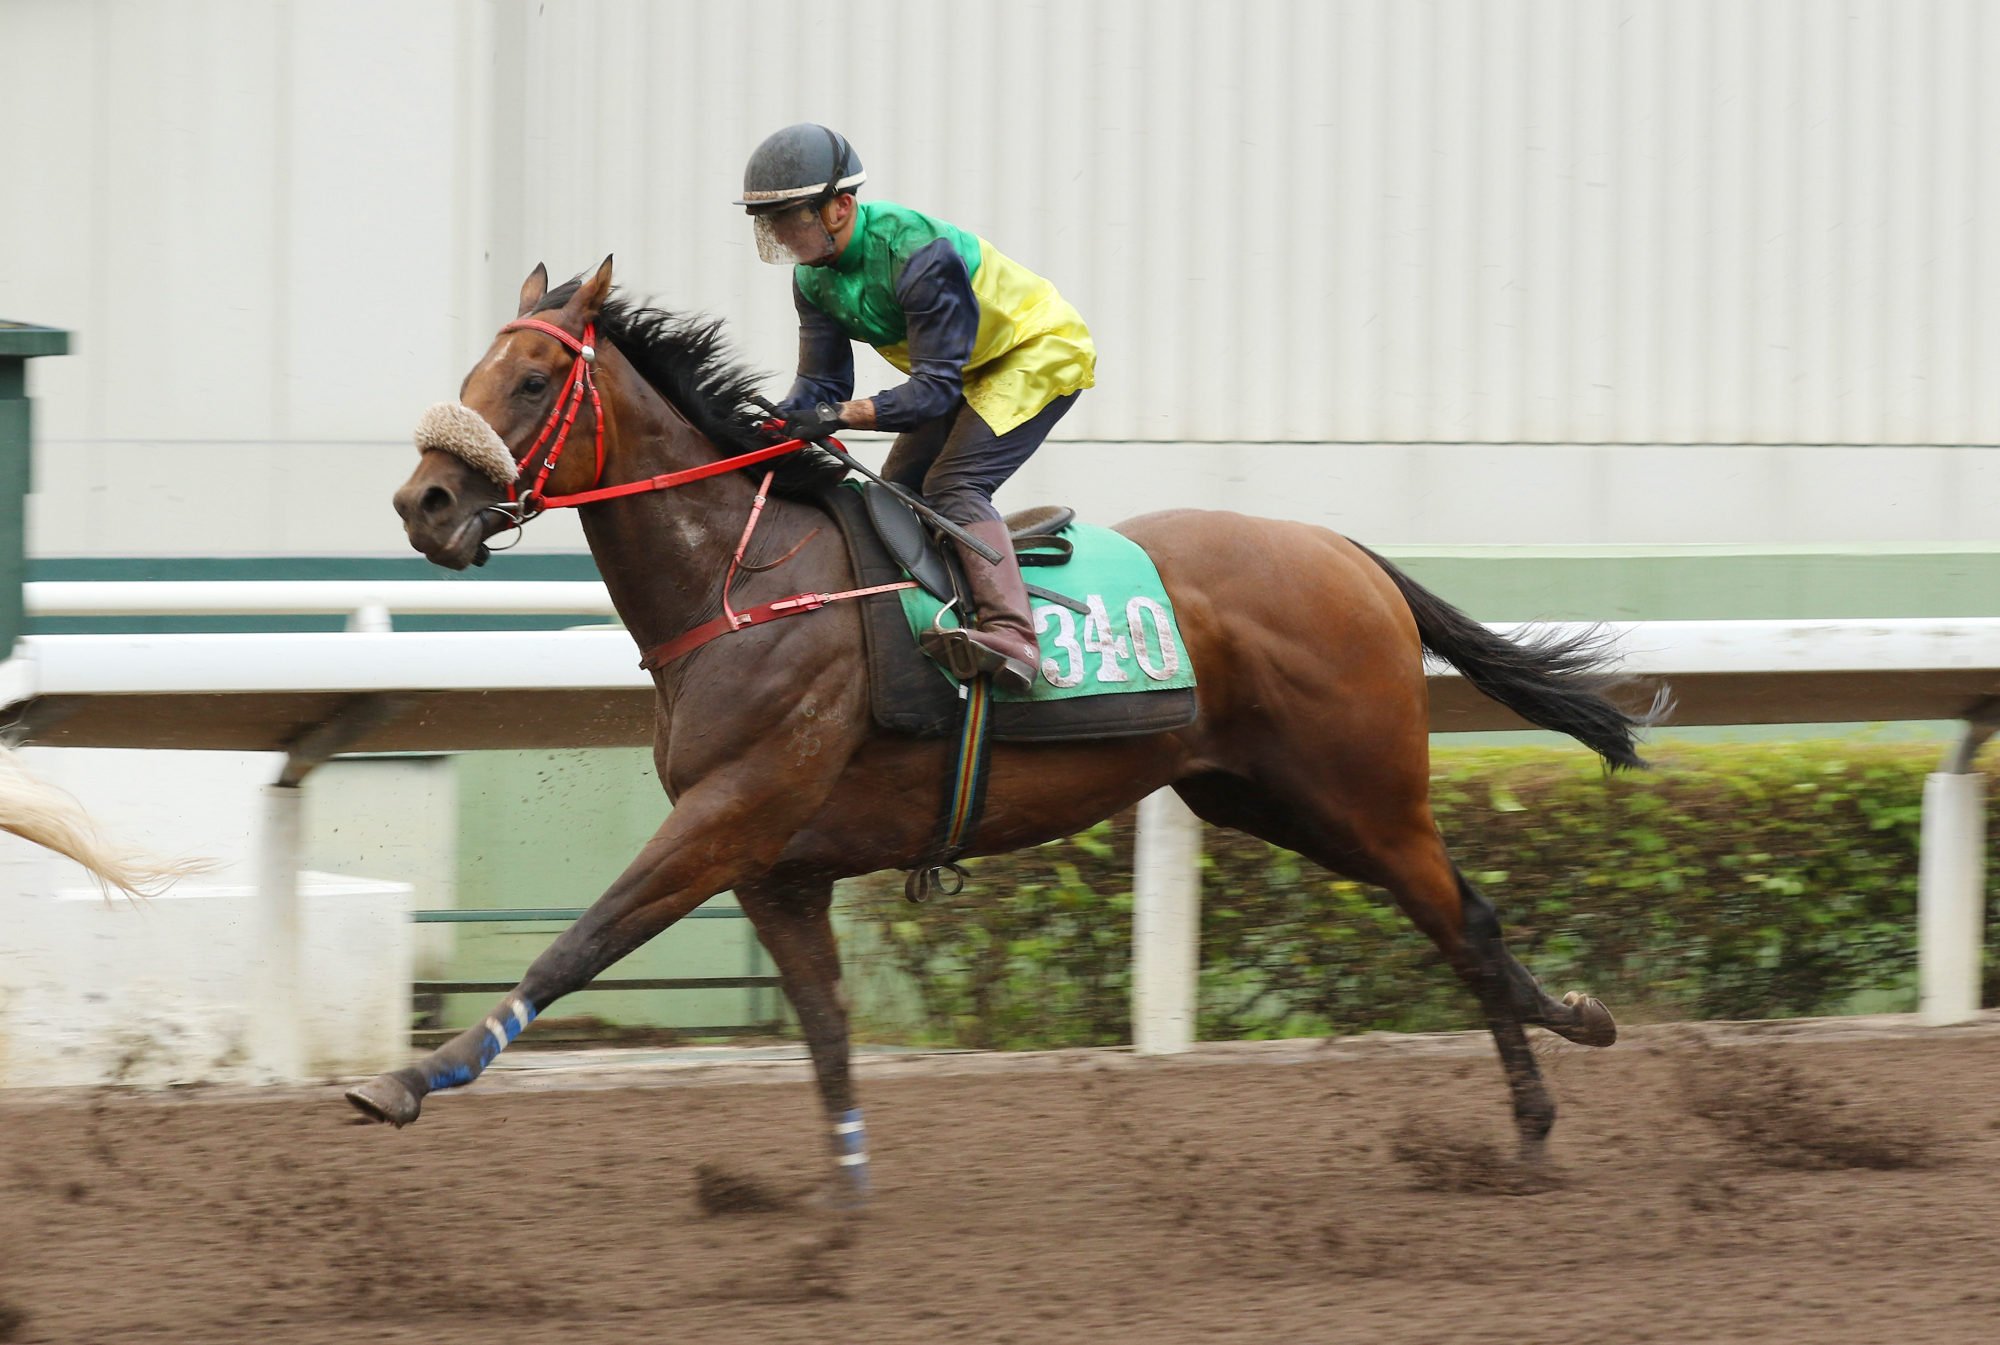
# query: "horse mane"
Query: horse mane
688,360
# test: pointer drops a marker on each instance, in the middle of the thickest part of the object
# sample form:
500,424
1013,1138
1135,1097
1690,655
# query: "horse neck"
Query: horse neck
663,554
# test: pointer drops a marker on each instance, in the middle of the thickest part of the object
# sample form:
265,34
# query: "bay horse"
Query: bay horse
1312,729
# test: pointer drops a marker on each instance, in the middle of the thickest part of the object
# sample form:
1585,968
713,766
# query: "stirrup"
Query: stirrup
966,658
921,884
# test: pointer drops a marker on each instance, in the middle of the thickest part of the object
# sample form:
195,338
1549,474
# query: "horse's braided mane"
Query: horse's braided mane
687,359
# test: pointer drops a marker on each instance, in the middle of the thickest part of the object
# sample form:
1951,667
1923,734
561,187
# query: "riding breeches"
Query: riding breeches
957,462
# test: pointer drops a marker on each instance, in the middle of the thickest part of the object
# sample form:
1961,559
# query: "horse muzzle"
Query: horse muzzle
440,526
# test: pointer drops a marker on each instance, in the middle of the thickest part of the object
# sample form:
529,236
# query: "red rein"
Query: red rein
582,382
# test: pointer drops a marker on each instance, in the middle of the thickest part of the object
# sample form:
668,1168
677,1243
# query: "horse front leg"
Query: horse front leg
713,841
793,919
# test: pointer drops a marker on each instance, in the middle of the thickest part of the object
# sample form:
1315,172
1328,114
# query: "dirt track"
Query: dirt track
1255,1196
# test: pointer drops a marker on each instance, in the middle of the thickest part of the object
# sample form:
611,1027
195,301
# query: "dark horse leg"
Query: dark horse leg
711,842
1466,929
793,918
1371,836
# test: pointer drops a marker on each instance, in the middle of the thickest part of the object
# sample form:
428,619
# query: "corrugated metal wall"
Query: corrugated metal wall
1378,220
251,213
1560,221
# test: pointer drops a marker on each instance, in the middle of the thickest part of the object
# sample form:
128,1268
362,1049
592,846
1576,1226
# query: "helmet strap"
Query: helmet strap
841,154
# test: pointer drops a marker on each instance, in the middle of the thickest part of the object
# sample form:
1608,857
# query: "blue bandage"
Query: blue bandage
500,1029
850,1139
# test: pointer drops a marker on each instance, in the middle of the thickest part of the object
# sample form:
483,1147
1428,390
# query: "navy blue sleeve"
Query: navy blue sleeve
942,319
826,359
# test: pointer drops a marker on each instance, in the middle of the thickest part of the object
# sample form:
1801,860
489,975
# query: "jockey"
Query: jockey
995,357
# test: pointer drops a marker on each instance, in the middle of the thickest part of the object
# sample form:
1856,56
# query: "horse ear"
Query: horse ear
590,296
533,288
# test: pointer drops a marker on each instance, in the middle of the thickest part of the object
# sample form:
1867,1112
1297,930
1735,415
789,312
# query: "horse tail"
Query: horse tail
1552,680
37,811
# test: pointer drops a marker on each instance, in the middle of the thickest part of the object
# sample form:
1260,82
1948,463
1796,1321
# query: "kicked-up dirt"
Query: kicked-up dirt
1703,1186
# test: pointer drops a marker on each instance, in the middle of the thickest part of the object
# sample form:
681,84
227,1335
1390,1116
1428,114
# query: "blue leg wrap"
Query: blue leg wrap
850,1144
500,1028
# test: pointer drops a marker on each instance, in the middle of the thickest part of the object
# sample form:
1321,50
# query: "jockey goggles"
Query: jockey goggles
794,235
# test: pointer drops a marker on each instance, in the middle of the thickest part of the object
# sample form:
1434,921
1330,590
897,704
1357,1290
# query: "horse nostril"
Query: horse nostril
435,501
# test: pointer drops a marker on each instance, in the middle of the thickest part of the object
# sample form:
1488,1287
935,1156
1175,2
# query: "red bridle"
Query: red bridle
582,382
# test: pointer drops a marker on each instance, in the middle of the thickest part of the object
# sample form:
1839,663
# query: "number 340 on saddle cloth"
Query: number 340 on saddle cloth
1126,641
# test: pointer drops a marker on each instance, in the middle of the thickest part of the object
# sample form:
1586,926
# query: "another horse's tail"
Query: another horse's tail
1550,679
37,811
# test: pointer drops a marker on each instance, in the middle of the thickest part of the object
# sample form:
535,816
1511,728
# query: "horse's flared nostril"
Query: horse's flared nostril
423,503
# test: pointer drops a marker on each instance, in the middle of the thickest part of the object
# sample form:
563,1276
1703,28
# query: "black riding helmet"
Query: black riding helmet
789,177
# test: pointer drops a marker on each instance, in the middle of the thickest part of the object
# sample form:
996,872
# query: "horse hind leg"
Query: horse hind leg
1576,1017
1430,890
1399,849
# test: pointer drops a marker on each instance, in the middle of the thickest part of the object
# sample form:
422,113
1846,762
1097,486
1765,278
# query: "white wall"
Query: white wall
394,819
95,989
201,805
1394,226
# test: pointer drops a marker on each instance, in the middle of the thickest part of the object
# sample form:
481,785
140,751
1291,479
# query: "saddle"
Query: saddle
912,544
908,692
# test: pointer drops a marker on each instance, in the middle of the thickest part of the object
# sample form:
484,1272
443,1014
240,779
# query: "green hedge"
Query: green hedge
1740,881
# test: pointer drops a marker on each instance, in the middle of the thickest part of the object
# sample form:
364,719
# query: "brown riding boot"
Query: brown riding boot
1003,643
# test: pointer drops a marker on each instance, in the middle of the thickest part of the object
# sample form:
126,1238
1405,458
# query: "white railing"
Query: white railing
368,605
372,689
316,597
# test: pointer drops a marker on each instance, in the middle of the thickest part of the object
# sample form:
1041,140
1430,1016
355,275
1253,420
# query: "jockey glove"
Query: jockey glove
822,422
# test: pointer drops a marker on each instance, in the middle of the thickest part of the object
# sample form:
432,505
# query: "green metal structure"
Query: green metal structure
19,343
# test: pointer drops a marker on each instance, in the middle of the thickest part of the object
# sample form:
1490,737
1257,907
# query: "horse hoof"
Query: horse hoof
386,1098
1591,1024
1534,1172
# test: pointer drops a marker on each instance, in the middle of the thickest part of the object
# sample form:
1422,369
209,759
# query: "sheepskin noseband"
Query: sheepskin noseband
459,430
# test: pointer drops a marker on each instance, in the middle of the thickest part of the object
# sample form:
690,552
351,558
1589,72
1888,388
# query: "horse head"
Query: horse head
486,458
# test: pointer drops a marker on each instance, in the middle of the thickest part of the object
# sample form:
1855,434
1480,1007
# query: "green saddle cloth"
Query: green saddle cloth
1129,641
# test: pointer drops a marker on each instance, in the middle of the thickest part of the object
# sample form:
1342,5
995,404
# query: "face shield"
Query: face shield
794,236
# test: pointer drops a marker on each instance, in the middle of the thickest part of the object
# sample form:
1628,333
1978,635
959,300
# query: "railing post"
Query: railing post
1166,925
371,618
1951,881
278,1030
277,1026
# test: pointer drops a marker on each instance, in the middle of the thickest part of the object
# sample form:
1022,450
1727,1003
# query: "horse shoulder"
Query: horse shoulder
791,697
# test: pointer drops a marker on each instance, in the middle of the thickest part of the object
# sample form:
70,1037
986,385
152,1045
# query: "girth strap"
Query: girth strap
963,804
659,656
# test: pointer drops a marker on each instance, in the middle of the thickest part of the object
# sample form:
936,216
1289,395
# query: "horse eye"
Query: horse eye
532,384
